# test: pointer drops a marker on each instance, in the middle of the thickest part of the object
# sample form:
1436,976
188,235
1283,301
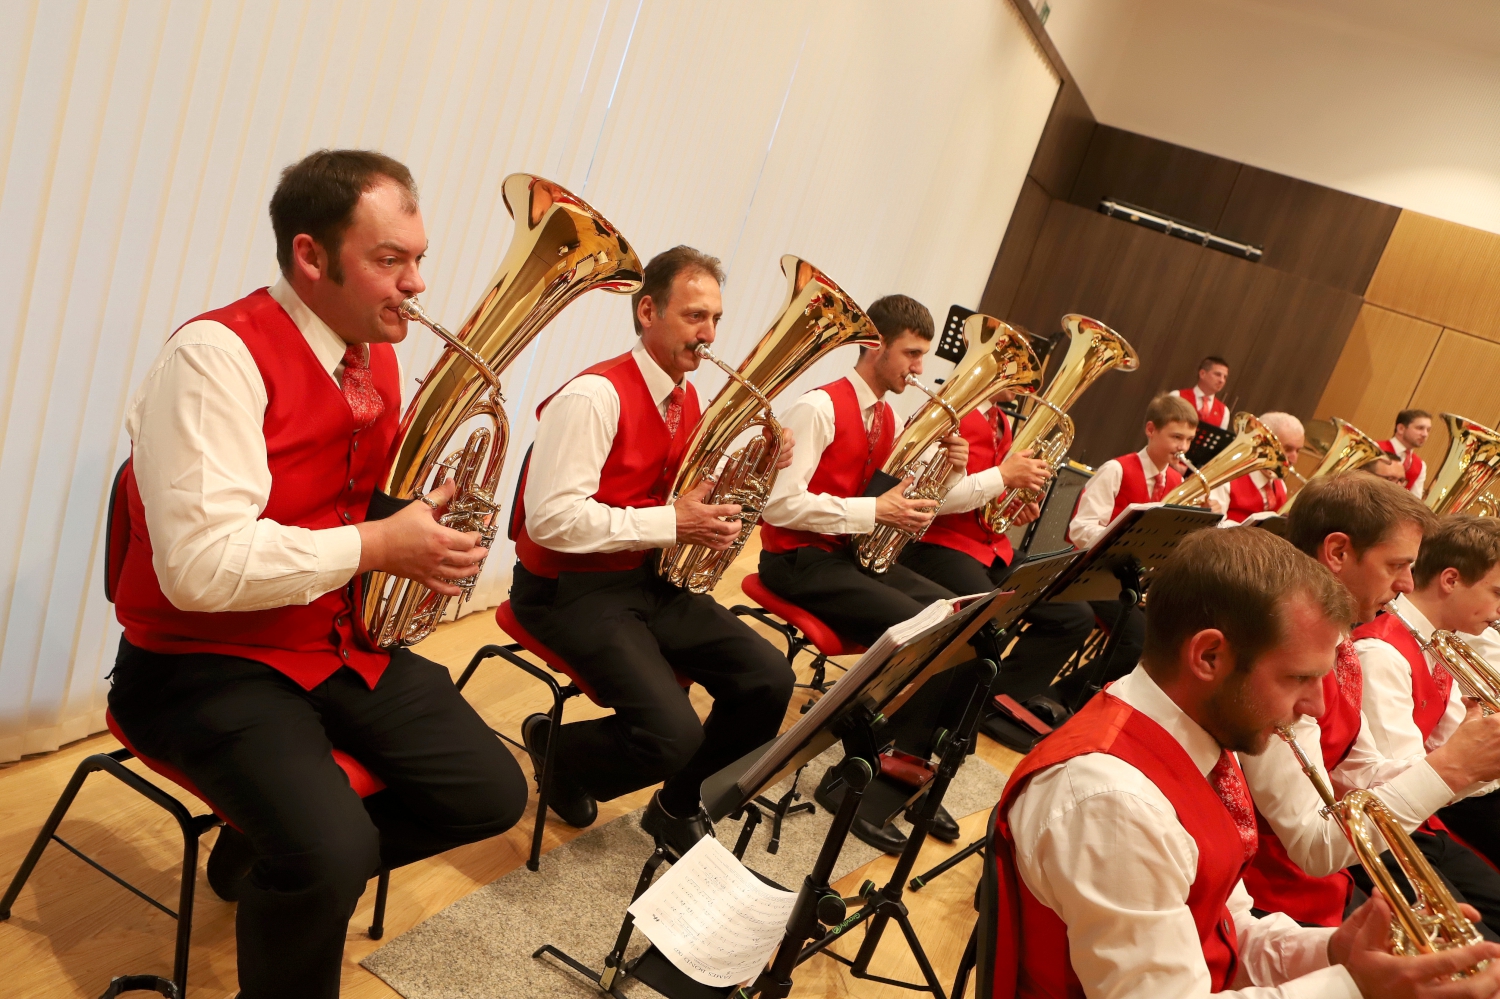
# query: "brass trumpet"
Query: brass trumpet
1434,922
1255,449
1468,469
1351,448
997,358
1470,670
1047,430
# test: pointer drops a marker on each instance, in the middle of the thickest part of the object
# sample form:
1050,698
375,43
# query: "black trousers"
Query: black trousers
1054,631
625,633
856,602
1468,877
260,747
1477,820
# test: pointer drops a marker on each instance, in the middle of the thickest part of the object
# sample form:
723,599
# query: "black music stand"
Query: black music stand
1049,532
1208,442
1120,565
851,711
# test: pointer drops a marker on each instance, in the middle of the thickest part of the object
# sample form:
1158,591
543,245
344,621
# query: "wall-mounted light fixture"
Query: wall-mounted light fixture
1157,222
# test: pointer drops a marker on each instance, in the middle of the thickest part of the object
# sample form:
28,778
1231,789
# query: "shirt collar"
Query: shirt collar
327,346
1259,478
658,382
1414,617
1148,466
1141,692
1400,447
862,391
1203,397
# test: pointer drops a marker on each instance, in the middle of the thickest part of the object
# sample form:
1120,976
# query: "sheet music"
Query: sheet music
713,919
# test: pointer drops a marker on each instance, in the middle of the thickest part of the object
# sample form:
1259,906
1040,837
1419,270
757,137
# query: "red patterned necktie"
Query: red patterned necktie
997,428
673,415
1159,487
1229,784
359,386
876,413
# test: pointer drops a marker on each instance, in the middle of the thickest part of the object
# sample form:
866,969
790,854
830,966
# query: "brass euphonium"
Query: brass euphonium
561,248
1254,449
997,358
1047,430
1434,922
817,317
1351,448
1468,469
1470,670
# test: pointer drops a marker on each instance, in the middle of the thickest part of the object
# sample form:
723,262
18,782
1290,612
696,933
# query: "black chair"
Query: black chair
979,955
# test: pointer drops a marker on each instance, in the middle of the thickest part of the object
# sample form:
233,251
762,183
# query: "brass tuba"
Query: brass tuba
1470,670
817,317
1434,922
1350,448
1047,430
1468,469
1254,449
997,358
561,248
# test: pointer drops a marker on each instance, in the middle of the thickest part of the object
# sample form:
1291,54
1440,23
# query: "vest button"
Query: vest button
346,516
344,653
351,483
355,445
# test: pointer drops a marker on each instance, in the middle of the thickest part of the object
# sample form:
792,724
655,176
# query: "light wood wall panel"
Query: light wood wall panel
1379,369
1442,272
1460,378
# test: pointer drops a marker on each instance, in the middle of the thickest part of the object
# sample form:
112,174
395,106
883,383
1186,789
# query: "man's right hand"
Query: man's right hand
1022,471
411,544
893,509
1472,753
1363,946
700,524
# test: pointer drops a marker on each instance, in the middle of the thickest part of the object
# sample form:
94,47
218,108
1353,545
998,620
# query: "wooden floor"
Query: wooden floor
72,929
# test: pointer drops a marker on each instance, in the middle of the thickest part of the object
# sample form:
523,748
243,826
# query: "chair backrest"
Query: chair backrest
987,901
116,532
514,525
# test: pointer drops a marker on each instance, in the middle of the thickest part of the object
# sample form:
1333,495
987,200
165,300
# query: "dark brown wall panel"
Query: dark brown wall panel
1015,251
1315,232
1178,181
1064,143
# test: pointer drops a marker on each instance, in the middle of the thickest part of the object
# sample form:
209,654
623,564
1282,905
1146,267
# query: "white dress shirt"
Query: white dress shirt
1417,484
1097,502
1100,844
1389,701
792,505
1201,402
573,440
199,452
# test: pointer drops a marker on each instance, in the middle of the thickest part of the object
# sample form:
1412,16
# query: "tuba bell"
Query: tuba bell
1468,469
561,248
1254,449
1434,921
1047,430
817,317
997,358
1350,448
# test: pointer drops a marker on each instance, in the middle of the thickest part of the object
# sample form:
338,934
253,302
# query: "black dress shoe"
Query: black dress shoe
677,835
568,801
887,839
229,863
943,827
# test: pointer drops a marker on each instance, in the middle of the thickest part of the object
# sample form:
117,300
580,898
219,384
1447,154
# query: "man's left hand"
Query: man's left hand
787,443
958,453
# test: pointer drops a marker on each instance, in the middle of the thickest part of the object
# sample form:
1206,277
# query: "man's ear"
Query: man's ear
645,311
308,257
1207,655
1336,550
1448,580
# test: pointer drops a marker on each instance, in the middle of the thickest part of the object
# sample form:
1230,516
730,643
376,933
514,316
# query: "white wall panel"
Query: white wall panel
141,141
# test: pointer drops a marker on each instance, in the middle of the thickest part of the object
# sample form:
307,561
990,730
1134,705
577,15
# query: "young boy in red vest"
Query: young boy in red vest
1261,492
258,438
1367,533
845,431
1413,704
593,507
1213,372
1121,839
1412,429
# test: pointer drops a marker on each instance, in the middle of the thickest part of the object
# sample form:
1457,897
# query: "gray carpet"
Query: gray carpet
480,946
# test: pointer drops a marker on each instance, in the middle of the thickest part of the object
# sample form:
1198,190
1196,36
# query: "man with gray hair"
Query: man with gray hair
1256,492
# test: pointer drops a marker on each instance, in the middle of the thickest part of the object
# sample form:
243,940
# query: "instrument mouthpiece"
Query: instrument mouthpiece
411,309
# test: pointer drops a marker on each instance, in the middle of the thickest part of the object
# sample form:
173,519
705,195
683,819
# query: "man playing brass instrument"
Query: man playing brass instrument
258,437
1261,492
1122,838
593,507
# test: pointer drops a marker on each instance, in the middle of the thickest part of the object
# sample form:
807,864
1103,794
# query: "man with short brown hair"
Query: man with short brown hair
1213,372
1121,839
1412,429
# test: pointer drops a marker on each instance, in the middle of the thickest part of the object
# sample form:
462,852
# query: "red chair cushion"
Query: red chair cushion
361,780
506,619
823,637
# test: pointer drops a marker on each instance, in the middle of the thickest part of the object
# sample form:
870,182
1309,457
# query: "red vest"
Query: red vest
1273,879
967,532
1214,413
845,468
1133,485
1245,498
323,471
643,460
1412,462
1032,958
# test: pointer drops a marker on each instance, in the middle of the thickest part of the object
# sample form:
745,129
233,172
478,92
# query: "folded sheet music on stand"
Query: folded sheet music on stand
1136,543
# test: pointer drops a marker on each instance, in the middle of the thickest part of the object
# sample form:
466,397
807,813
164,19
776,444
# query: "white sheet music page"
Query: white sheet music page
717,922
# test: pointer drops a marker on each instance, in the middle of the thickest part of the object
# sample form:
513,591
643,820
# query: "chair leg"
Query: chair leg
44,836
185,895
382,892
544,781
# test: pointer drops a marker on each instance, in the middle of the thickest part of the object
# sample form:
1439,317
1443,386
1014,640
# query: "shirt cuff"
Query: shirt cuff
1420,787
338,550
859,514
658,526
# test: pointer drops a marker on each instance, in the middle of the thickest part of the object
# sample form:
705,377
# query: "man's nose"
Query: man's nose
1311,703
412,283
1404,582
